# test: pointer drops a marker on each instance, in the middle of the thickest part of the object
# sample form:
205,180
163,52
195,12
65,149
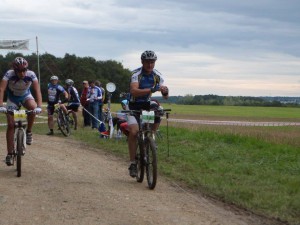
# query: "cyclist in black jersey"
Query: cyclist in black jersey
144,82
73,100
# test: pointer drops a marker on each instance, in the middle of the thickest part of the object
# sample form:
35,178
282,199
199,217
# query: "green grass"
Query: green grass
236,112
257,168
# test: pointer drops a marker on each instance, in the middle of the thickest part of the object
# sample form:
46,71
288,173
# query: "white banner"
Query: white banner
14,44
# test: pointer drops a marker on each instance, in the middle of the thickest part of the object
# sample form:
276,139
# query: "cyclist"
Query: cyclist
17,82
144,82
73,100
54,92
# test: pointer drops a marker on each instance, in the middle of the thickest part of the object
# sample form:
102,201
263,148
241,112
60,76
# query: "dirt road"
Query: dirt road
67,182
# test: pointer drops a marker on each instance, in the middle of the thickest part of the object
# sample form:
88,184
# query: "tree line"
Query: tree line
75,68
231,100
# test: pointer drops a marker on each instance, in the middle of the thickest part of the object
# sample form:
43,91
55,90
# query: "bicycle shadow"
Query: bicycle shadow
7,171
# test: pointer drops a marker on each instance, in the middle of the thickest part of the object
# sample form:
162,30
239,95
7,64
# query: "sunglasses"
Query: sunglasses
21,70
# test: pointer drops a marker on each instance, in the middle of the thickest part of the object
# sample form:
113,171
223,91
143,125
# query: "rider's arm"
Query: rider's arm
3,86
67,96
37,91
135,91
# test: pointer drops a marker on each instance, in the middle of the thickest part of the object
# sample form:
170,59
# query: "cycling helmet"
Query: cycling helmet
69,82
53,78
20,64
124,102
148,55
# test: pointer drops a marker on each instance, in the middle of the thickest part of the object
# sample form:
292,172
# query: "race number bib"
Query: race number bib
148,116
19,115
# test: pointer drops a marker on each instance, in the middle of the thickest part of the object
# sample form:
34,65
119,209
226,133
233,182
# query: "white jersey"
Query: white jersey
19,87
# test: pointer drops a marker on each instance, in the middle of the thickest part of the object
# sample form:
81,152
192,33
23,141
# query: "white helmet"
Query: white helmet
148,55
53,78
69,82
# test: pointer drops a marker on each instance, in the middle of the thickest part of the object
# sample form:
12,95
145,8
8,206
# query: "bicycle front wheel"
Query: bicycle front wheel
139,157
151,162
19,152
63,124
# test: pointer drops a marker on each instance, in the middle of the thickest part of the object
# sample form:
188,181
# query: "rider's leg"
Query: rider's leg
132,145
63,107
75,119
156,124
30,104
133,128
50,124
10,133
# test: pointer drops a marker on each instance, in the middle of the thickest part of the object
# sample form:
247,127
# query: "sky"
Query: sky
221,47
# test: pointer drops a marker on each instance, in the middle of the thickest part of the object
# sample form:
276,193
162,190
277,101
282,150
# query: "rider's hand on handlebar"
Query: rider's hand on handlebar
37,110
3,109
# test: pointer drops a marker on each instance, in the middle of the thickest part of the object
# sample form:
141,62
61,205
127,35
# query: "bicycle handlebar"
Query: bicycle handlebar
9,111
133,112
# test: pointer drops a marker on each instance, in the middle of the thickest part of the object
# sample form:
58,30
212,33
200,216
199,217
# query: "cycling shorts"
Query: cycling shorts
14,102
73,106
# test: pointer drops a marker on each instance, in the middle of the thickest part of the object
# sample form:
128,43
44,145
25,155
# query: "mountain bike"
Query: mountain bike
19,137
71,119
62,121
146,153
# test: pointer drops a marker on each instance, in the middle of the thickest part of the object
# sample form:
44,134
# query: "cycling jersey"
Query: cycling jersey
94,94
54,92
19,88
74,96
145,81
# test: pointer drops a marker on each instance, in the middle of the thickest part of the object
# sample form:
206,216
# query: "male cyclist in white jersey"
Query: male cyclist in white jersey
144,81
17,82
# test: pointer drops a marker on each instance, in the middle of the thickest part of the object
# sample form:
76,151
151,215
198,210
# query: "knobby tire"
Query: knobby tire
140,162
62,123
71,121
20,140
151,162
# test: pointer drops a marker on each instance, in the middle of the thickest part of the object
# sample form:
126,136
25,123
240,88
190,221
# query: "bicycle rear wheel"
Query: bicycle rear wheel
140,162
63,124
71,121
151,162
19,153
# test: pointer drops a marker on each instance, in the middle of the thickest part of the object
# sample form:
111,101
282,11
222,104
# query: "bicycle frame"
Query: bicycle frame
146,155
62,122
19,137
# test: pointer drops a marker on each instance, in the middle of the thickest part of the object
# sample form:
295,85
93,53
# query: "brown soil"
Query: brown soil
66,182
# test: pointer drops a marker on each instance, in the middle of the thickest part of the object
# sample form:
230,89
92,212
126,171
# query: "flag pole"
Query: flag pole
38,60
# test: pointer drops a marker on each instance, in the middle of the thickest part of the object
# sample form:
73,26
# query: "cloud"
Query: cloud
222,43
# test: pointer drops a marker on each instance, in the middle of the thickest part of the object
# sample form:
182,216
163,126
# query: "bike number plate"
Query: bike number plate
148,116
19,115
